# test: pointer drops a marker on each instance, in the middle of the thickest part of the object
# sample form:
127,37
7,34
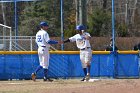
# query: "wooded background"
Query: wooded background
99,14
127,15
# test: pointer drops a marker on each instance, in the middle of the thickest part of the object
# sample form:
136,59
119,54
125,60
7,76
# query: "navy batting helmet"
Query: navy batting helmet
80,27
43,23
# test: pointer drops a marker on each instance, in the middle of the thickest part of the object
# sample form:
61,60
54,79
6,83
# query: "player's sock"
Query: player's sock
88,69
45,73
46,76
37,69
85,71
88,73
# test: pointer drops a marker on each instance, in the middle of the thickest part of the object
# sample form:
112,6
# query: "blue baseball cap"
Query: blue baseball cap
80,27
43,23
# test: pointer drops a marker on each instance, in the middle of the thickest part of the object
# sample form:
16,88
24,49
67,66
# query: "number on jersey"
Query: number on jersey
39,39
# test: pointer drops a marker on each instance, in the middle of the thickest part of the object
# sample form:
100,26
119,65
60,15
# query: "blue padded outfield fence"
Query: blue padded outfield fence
20,64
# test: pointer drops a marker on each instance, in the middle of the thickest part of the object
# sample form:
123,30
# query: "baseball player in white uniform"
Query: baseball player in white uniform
82,42
43,41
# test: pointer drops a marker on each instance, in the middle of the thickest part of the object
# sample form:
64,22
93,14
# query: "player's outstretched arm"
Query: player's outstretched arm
52,42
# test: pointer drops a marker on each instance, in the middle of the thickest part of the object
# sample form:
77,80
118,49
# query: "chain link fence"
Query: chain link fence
27,43
22,43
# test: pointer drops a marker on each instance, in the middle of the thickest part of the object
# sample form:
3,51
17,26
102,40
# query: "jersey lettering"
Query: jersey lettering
39,39
81,42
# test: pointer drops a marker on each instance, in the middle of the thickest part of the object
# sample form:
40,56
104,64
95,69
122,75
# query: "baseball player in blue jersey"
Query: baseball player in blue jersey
82,42
43,41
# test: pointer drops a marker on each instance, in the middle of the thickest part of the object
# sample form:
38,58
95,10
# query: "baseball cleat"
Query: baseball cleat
33,76
47,79
83,79
87,77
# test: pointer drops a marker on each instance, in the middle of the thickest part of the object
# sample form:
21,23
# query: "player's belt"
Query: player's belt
43,46
85,48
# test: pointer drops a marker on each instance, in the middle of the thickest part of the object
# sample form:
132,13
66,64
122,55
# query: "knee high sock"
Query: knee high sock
85,71
37,69
46,73
88,69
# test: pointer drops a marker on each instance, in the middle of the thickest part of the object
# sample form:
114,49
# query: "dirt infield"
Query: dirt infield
71,86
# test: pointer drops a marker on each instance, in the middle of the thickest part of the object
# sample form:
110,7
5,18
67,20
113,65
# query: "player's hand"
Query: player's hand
60,42
87,37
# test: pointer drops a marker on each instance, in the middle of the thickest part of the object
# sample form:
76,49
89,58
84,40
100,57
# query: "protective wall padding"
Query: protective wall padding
17,66
127,65
102,65
20,66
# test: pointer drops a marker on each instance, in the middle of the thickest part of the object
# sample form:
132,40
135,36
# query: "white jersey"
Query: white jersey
81,42
42,38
